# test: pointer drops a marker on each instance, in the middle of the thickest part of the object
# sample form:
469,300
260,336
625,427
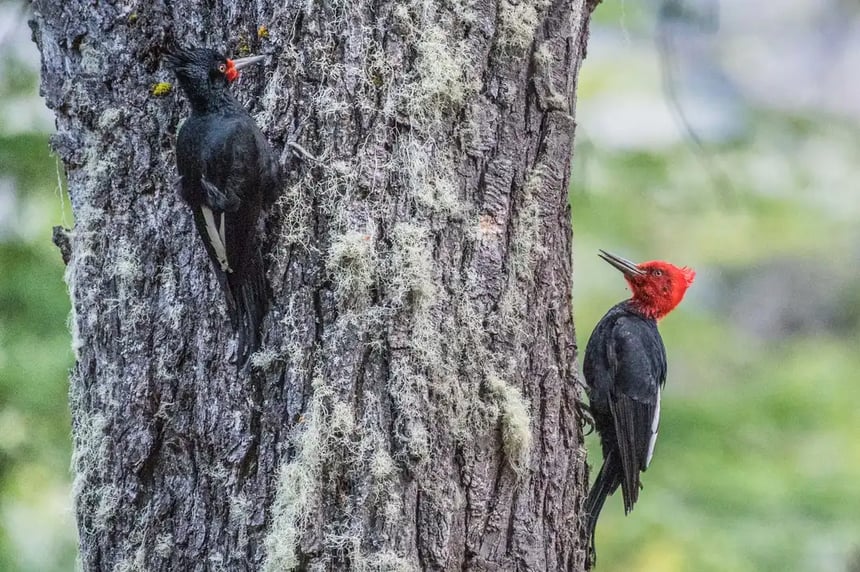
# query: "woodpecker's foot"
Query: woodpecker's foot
586,419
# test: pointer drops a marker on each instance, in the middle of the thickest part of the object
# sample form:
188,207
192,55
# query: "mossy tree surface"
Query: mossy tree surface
414,404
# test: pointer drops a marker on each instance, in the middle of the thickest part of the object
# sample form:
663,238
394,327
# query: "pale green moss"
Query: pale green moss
297,484
418,442
324,432
110,118
411,274
73,321
342,421
543,57
518,21
380,561
243,47
126,265
109,502
441,79
90,450
240,517
164,545
264,357
381,464
352,265
514,418
431,178
407,388
134,563
393,507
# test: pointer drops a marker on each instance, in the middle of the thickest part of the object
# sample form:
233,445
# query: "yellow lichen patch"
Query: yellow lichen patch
244,48
262,32
161,89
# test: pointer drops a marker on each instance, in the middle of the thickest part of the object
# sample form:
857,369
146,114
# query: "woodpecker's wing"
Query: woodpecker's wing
638,364
270,170
235,170
231,167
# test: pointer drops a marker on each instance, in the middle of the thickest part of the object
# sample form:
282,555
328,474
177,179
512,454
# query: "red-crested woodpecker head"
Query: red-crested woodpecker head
657,286
204,74
229,70
233,66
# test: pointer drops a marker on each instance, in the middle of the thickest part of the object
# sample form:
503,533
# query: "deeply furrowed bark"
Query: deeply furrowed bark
414,404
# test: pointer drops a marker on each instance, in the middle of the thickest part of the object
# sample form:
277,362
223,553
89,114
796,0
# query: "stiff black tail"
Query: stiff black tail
605,484
247,300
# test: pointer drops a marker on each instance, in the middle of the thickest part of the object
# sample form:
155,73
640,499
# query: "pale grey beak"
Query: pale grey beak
625,266
245,62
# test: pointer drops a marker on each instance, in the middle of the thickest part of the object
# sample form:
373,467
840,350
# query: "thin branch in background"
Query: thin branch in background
674,10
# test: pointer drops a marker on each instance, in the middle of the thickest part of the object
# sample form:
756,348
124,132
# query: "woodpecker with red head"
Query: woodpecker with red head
227,174
625,370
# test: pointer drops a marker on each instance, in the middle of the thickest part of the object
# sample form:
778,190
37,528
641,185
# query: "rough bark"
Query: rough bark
414,404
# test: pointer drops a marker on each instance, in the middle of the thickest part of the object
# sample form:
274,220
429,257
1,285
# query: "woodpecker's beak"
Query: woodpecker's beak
245,62
629,269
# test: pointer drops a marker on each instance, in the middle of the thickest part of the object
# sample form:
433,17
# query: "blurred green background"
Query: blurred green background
757,467
37,531
758,463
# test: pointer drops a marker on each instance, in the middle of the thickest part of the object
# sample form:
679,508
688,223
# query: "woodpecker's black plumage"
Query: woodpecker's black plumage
228,175
625,369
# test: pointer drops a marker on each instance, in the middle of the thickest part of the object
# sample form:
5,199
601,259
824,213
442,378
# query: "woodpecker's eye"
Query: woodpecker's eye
222,68
657,272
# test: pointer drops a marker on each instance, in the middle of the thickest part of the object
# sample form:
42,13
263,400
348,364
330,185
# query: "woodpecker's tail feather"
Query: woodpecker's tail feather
246,305
607,481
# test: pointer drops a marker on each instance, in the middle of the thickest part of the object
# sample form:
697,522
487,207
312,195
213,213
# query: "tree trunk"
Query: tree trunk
414,405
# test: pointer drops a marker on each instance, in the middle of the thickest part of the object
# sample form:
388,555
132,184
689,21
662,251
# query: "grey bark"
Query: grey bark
415,402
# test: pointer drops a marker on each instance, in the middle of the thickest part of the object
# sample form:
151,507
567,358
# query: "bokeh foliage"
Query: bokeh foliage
36,524
35,356
758,461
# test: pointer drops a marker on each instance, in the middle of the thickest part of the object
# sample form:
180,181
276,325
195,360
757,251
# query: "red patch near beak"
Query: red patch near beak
232,73
689,275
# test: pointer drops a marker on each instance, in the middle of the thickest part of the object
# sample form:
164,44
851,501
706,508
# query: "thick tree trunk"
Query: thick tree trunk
414,404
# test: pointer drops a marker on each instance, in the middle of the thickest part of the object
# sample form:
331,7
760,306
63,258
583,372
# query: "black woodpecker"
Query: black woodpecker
228,174
625,370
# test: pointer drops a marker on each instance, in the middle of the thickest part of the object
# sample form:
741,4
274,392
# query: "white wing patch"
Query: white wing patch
216,237
222,233
655,424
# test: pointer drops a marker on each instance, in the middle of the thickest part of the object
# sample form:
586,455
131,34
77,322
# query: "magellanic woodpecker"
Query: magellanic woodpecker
228,174
625,370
